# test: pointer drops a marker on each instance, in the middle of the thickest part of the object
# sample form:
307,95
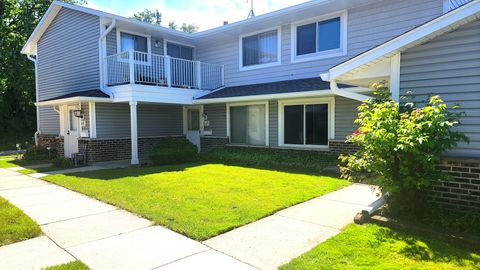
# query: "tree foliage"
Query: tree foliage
155,17
17,74
400,146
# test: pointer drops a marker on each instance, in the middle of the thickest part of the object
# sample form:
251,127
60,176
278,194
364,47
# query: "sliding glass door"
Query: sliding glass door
248,125
305,124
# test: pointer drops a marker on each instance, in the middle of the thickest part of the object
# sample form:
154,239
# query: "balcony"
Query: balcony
139,68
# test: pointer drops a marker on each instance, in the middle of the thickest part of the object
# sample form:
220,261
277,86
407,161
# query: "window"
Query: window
193,120
306,124
260,49
248,124
73,120
179,51
320,39
133,42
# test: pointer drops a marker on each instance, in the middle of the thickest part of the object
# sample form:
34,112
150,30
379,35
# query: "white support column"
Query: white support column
131,64
395,77
168,70
199,74
92,119
133,130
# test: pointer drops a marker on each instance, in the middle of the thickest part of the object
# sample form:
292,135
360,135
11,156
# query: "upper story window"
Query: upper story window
320,38
260,50
179,51
133,42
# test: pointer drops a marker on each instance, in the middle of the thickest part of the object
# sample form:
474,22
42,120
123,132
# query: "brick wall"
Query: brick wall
98,150
52,141
342,147
462,192
208,143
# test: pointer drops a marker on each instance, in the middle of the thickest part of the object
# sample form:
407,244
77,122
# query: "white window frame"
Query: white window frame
166,41
257,66
330,101
325,54
267,125
149,46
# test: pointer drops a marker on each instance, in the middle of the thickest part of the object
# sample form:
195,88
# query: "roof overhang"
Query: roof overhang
356,67
292,95
72,100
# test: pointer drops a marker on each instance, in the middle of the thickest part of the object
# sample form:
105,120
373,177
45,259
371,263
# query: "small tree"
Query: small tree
401,146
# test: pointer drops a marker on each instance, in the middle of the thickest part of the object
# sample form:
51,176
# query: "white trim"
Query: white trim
134,132
330,101
395,77
416,35
185,117
241,67
92,114
72,100
348,94
302,94
294,58
267,113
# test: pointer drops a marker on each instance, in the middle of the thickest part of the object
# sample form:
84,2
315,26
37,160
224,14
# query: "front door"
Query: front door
72,127
193,126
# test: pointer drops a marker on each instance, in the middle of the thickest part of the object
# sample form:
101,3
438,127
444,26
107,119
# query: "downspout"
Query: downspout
100,47
347,94
36,98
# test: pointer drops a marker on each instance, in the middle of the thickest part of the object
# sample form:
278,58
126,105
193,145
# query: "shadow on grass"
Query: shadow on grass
425,248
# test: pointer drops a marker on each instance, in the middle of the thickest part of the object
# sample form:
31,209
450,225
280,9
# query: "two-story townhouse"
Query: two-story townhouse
112,86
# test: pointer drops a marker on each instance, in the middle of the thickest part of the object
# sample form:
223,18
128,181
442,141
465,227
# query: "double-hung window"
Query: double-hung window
260,50
320,38
248,124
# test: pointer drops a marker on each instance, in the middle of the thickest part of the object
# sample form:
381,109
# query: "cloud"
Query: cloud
204,13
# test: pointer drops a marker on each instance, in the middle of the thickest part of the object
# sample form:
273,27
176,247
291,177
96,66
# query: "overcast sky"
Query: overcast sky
204,13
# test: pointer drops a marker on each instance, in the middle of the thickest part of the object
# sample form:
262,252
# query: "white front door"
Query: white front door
72,130
193,126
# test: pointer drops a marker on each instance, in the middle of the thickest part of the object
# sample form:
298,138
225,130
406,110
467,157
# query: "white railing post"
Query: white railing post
199,75
168,70
223,75
131,64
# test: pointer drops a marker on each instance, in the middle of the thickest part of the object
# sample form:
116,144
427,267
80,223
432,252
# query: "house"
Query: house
111,86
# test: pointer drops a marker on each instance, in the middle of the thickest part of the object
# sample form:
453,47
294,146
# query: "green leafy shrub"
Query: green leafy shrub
401,146
40,153
173,151
64,163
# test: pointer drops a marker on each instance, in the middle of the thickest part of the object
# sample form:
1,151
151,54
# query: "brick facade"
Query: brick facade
342,147
52,141
462,192
99,150
208,143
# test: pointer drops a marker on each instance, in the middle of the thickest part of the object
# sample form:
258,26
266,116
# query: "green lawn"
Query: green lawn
374,247
75,265
12,161
15,226
197,200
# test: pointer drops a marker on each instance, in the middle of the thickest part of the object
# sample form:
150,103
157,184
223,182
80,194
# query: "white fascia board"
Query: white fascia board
30,46
395,45
276,96
72,100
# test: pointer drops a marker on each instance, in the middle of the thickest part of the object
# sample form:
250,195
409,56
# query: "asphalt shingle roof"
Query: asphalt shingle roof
89,93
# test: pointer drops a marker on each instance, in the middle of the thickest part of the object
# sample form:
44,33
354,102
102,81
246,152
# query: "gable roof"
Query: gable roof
80,96
419,35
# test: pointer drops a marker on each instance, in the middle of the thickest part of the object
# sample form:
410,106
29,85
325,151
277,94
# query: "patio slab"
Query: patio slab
35,253
142,249
211,260
86,229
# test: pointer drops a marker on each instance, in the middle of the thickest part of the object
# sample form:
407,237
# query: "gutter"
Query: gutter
340,92
101,49
36,98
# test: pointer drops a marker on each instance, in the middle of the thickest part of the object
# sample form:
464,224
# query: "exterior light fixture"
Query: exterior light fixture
78,113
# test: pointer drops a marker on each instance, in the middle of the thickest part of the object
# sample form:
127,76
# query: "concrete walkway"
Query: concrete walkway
275,240
104,237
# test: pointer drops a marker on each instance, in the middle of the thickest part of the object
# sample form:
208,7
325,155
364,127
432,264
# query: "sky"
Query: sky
204,13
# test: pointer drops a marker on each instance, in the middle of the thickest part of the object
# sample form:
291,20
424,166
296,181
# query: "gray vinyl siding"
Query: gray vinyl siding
273,122
111,43
345,115
449,66
217,115
456,3
67,61
368,26
113,120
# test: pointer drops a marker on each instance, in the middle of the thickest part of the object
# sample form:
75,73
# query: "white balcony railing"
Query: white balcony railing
160,70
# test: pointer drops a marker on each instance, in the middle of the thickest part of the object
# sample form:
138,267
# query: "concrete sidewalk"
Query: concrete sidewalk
99,234
275,240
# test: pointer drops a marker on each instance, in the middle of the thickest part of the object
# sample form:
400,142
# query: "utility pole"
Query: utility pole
251,14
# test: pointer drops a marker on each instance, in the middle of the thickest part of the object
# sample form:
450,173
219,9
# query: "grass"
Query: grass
374,247
15,161
15,226
42,169
199,200
75,265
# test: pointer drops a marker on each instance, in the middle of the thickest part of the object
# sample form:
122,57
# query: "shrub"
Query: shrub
173,151
40,153
64,163
401,146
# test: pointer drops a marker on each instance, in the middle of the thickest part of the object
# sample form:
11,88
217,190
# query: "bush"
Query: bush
401,146
173,151
39,153
64,163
